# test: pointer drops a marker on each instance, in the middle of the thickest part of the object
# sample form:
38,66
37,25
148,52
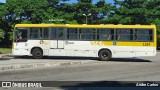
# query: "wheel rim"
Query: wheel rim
38,53
104,55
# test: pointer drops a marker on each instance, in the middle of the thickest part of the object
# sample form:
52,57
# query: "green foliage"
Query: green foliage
1,34
32,10
129,12
157,22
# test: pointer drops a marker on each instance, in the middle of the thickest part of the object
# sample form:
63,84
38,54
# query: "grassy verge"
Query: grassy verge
5,50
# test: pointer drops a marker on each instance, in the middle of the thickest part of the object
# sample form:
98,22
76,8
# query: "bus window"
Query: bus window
144,35
151,34
57,34
34,33
60,33
21,35
142,31
124,34
72,34
142,38
53,33
86,34
45,33
105,34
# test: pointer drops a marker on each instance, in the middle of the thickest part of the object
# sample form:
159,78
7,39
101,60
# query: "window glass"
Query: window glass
24,34
151,32
60,33
142,31
21,35
57,33
45,33
143,38
105,37
124,34
86,30
144,35
123,31
34,33
72,30
72,33
105,34
87,34
123,37
53,33
104,31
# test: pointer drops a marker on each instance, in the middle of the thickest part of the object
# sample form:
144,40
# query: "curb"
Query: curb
36,65
1,57
6,56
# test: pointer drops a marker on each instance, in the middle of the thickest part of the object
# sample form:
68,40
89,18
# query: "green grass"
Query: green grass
5,50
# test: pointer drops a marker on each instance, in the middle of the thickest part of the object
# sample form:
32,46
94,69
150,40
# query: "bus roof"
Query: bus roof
86,26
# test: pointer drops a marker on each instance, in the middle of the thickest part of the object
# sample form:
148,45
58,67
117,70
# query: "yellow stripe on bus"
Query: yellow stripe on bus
86,26
110,43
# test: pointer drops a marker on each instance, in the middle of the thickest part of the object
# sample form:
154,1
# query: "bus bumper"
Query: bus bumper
20,51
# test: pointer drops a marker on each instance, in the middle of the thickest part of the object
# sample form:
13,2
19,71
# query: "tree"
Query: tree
129,12
3,23
98,11
33,11
21,11
1,34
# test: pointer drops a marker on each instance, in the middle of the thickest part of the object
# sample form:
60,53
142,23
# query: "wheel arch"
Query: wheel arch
104,49
35,48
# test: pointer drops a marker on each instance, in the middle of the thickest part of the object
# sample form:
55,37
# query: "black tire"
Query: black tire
105,55
37,53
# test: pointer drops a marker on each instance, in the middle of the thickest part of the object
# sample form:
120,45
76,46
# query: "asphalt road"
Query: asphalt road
141,69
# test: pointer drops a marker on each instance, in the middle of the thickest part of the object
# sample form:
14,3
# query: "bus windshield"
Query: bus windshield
20,35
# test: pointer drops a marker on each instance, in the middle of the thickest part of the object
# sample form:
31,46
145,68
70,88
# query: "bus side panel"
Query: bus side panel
144,49
91,48
20,48
122,51
80,48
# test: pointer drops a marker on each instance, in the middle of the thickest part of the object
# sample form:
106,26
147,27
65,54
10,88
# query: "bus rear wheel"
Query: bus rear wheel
37,53
105,55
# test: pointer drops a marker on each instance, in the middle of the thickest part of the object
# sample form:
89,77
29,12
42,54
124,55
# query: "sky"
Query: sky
74,1
2,1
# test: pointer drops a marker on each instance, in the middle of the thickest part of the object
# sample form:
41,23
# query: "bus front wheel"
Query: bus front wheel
37,53
105,55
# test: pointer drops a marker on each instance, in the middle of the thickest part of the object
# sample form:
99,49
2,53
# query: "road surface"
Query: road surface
142,69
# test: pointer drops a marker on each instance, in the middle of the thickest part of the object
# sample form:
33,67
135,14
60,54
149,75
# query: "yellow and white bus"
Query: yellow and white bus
103,41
